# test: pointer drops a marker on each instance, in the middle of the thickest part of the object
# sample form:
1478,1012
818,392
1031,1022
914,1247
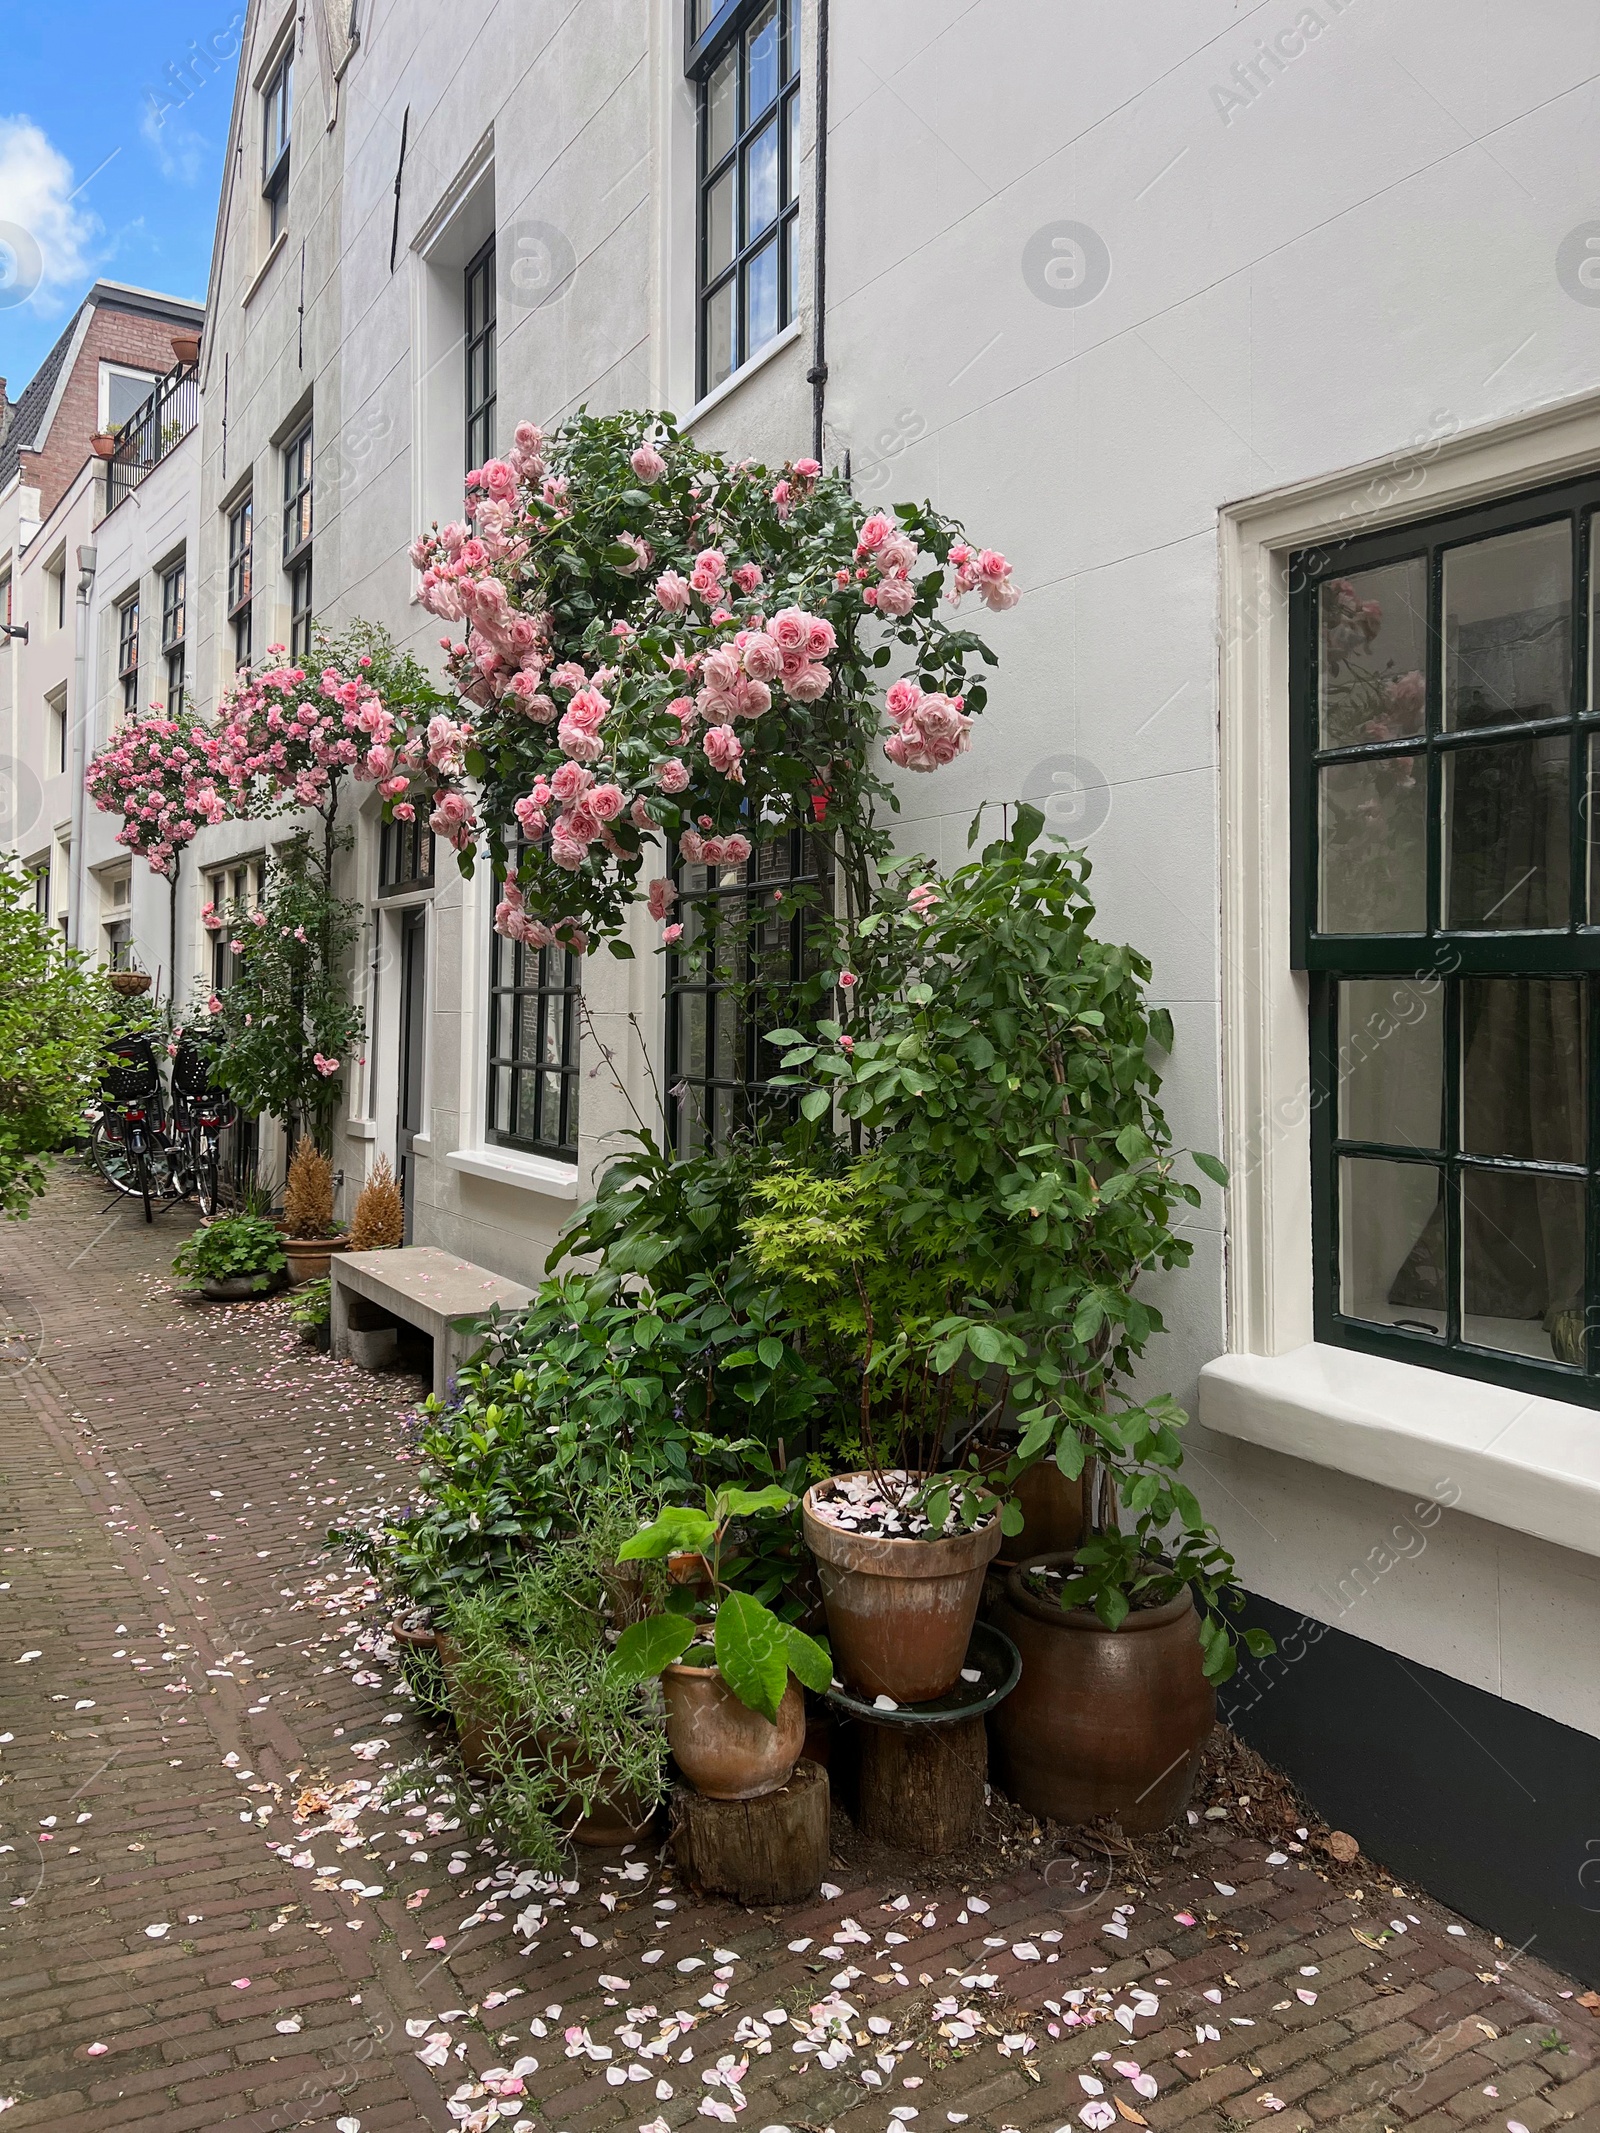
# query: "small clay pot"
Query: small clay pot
102,444
186,347
1103,1721
308,1257
900,1612
726,1750
420,1640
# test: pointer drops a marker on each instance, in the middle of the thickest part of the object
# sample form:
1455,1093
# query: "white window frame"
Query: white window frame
1531,1463
149,379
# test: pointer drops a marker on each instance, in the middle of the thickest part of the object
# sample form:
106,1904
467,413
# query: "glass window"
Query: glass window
405,857
297,529
1447,760
241,539
746,60
534,999
480,353
128,654
233,892
277,116
172,635
746,942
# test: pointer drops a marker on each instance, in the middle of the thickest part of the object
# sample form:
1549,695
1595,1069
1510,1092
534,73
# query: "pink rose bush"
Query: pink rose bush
161,776
647,644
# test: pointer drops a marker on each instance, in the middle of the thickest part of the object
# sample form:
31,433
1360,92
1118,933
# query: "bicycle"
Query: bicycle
201,1112
129,1140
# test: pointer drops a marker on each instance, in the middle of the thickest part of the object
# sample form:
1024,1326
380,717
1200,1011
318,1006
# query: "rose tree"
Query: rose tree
159,775
657,644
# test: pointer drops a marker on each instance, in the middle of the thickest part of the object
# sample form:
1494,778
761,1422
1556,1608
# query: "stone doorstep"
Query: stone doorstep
426,1288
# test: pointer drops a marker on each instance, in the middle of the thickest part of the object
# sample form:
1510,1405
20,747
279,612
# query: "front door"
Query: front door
413,1046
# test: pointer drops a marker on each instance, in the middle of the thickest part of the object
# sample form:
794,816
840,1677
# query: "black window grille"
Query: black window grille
748,939
405,857
1447,905
241,545
745,61
480,349
128,654
534,998
277,124
173,603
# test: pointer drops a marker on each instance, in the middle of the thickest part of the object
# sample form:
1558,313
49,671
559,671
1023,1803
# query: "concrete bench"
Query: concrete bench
425,1288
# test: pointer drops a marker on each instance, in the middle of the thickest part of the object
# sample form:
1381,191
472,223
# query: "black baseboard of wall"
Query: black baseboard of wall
1491,1808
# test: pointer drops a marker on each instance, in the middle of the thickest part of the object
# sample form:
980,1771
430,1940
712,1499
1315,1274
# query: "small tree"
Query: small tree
54,1019
288,1024
308,1193
379,1221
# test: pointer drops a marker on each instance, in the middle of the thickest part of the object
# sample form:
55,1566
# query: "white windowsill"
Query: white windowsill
509,1166
422,1144
1516,1459
361,1129
746,371
279,245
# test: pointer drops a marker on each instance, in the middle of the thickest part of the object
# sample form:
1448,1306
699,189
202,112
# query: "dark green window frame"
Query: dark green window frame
1433,968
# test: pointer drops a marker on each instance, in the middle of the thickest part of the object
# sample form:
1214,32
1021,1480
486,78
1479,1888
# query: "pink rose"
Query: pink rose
763,660
790,630
747,577
874,532
723,748
605,802
672,933
806,685
663,895
648,464
672,592
672,775
895,598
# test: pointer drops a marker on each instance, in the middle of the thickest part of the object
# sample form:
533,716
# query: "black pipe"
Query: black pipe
817,375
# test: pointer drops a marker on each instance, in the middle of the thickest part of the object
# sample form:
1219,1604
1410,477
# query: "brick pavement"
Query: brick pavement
208,1916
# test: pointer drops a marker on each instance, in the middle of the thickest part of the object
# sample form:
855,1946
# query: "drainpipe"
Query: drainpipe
817,375
80,739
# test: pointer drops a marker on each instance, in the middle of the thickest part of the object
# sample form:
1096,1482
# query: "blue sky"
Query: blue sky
111,142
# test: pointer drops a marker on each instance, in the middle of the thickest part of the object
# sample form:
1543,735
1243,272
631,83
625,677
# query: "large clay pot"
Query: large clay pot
309,1257
726,1750
1052,1515
236,1288
900,1612
1103,1722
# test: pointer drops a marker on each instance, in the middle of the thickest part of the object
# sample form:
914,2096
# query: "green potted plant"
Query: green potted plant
999,1065
731,1668
310,1313
233,1258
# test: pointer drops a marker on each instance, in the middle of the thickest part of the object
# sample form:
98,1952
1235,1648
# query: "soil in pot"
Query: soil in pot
900,1609
1103,1722
724,1749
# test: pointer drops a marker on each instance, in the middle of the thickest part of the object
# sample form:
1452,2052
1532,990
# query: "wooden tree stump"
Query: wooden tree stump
770,1850
922,1788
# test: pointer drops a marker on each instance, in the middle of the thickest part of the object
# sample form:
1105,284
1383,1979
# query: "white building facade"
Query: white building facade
1200,319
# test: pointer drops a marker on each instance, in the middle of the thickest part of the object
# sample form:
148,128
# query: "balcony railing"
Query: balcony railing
153,430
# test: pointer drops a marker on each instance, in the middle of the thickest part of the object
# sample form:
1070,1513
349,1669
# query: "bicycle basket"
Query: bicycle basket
131,1075
191,1072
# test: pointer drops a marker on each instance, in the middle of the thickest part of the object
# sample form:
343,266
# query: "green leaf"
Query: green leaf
808,1660
644,1648
621,950
1259,1644
770,1350
753,1653
1111,1605
986,1343
679,1528
747,1503
1012,1520
1215,1170
814,1103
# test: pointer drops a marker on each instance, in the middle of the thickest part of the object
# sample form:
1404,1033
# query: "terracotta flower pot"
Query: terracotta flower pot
900,1612
1103,1721
308,1257
238,1288
102,444
723,1748
186,347
615,1819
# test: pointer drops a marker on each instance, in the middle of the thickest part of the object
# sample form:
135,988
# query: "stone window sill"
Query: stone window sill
509,1166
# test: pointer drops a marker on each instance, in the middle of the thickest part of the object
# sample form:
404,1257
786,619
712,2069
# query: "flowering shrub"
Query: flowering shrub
657,644
160,775
287,1027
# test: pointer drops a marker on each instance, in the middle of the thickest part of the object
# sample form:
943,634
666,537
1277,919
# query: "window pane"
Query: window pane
791,248
1390,1065
718,335
125,396
719,226
1373,654
721,124
791,176
1508,628
1522,1263
1507,851
1373,837
761,182
761,298
791,55
1523,1068
1391,1244
761,45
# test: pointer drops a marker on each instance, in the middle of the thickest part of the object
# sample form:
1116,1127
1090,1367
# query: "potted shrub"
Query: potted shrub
309,1236
576,1748
731,1668
233,1258
379,1221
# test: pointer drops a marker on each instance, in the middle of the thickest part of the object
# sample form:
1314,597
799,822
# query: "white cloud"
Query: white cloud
180,151
36,187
